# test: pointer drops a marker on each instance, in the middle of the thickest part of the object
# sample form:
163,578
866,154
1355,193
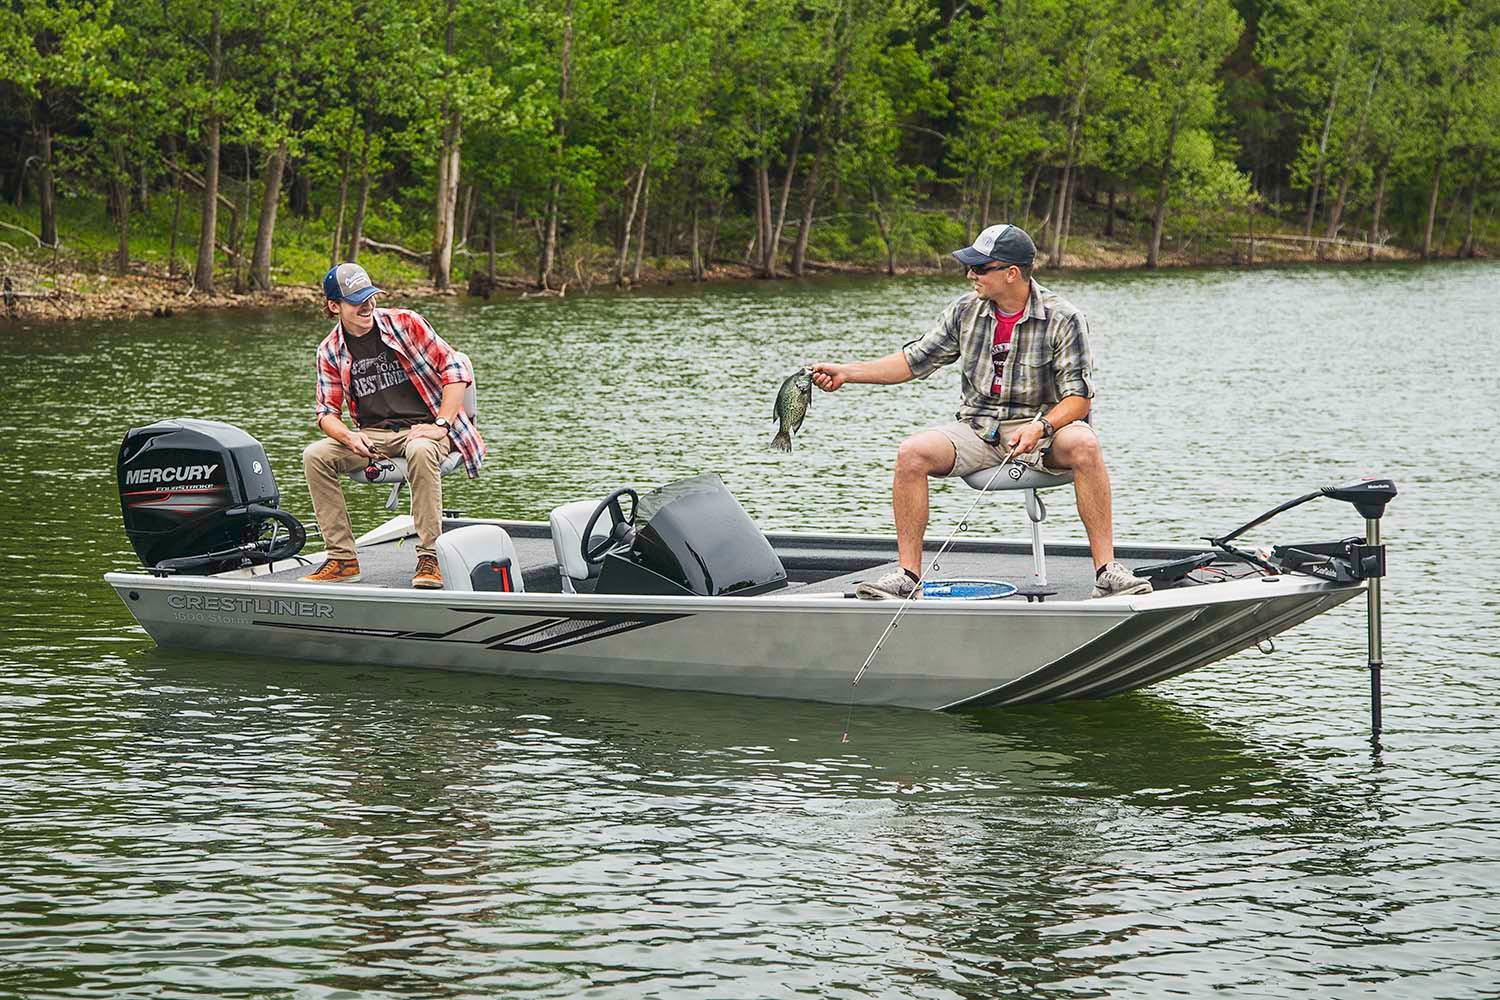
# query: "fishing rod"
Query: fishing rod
963,523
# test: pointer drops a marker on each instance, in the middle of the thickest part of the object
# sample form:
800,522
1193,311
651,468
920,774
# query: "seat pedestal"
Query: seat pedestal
1031,482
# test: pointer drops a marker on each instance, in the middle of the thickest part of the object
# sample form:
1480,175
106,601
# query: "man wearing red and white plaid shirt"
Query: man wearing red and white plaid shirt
404,388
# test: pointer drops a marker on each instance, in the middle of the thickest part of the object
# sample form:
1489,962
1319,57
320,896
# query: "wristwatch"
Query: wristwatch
443,424
1047,429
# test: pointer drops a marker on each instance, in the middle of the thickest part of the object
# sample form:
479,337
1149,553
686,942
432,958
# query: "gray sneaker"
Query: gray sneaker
1117,581
892,586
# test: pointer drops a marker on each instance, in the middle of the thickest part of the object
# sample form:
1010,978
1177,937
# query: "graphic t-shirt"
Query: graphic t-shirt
382,390
1000,349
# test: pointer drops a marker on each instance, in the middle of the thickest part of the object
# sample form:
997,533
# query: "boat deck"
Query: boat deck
827,565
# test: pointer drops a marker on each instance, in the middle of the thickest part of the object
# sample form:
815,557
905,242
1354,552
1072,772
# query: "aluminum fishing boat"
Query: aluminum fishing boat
675,587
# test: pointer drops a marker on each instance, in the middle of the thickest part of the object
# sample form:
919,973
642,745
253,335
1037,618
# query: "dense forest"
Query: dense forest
577,136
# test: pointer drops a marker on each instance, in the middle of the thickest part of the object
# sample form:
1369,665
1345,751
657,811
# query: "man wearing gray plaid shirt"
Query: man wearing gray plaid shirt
1027,387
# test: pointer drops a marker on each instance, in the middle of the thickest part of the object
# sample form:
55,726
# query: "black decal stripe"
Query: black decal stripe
590,627
383,633
451,632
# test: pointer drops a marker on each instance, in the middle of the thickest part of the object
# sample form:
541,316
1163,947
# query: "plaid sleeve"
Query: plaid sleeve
330,392
937,347
1073,358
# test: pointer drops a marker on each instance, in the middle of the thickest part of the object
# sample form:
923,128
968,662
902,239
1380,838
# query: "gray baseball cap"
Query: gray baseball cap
348,283
1002,244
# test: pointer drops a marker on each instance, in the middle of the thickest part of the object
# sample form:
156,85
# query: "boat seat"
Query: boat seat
1032,481
393,470
568,522
479,557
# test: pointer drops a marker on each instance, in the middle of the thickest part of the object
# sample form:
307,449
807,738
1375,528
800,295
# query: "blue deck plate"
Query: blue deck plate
967,590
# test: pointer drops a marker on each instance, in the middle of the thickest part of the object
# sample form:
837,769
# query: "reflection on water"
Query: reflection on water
181,824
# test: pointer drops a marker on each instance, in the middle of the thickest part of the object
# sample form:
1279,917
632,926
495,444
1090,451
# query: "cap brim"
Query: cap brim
355,298
969,257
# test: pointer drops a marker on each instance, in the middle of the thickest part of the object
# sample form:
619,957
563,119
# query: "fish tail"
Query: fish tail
782,441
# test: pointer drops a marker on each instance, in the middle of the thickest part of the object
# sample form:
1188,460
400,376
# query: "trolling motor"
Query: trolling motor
198,497
1348,560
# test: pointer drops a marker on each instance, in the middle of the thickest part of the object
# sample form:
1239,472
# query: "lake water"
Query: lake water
181,825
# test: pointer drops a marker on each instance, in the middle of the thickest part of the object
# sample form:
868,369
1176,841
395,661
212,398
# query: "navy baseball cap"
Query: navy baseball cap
348,283
1002,244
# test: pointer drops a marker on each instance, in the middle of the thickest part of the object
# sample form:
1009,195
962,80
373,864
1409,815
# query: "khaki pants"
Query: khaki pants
325,461
974,452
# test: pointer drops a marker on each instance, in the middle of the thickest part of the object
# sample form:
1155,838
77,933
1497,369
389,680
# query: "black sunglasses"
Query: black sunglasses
977,271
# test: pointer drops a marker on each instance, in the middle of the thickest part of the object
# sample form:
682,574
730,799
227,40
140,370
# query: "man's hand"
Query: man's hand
360,445
1025,440
829,377
432,431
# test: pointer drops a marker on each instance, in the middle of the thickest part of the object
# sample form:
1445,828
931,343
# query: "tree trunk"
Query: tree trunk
885,232
357,231
1467,248
237,220
489,242
1054,257
300,190
1335,216
1163,187
203,272
695,260
809,200
1109,219
640,244
176,209
265,229
1380,175
468,215
549,239
623,252
762,216
1312,196
46,195
338,217
121,190
443,251
713,235
1432,200
773,245
1030,195
440,267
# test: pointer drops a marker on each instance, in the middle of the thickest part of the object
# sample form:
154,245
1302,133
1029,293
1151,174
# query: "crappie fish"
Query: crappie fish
792,401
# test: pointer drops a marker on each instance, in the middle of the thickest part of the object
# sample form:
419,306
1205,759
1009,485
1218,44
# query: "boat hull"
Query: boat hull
941,655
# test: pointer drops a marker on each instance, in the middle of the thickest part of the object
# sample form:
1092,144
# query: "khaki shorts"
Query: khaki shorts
975,453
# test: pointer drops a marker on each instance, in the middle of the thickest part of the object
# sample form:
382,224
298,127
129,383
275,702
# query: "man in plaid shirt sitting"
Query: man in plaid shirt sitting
404,387
1027,387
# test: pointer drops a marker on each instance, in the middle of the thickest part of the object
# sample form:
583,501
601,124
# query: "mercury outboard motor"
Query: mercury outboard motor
198,497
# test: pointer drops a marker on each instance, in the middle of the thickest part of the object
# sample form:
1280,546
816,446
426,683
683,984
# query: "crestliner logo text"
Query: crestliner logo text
170,474
250,605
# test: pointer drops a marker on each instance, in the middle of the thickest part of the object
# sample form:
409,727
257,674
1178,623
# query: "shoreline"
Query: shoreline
79,295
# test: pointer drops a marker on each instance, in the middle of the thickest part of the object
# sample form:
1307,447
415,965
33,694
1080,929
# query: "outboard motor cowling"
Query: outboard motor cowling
198,496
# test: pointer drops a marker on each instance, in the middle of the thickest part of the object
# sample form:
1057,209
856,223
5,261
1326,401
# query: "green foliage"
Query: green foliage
900,126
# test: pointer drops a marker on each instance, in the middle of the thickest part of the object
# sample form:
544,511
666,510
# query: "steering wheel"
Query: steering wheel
621,528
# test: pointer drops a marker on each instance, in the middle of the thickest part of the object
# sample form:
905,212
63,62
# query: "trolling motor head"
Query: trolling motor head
1369,496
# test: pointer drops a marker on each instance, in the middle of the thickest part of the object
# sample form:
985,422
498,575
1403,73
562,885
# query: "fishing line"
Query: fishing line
963,523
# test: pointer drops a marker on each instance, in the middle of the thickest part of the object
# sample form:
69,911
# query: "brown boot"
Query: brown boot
428,576
335,571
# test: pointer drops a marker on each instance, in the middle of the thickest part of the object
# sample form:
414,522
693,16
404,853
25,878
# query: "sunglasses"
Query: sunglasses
978,271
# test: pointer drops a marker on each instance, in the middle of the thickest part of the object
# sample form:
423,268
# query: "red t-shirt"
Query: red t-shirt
1000,349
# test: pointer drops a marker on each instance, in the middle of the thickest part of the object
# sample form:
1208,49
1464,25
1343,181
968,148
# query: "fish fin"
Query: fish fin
798,426
782,441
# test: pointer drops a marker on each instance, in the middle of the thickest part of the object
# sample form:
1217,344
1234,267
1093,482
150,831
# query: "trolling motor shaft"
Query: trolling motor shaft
1372,626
